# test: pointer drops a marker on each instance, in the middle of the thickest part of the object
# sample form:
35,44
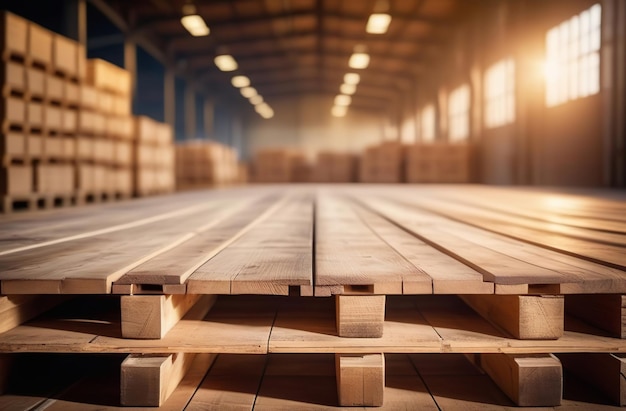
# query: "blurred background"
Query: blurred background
115,98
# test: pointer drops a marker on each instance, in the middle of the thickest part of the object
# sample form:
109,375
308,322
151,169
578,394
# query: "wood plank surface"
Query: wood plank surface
271,256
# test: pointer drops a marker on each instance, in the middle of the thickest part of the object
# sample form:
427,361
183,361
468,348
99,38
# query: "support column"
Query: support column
190,111
130,64
75,20
169,98
209,117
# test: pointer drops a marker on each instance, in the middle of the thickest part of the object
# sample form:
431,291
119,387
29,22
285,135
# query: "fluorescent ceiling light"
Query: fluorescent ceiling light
195,25
264,110
348,89
225,62
339,111
351,78
248,92
343,100
256,100
240,81
359,60
378,23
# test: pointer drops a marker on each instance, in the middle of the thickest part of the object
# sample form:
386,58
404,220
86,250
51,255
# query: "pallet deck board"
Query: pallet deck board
323,240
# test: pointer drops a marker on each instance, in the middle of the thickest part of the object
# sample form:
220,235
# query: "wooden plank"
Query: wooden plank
607,312
360,379
152,316
606,372
528,380
177,264
231,384
525,317
447,275
348,253
360,316
149,380
269,257
500,259
91,265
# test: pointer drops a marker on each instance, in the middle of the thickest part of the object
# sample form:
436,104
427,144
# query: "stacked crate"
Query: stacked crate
301,169
383,163
106,131
153,157
202,163
335,167
40,97
276,165
438,163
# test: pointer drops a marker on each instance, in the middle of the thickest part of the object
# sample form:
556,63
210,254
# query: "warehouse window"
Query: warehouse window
500,94
458,113
427,123
573,58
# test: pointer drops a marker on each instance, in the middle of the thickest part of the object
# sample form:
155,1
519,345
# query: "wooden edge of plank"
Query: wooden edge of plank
17,309
529,380
259,288
10,287
607,312
525,317
360,316
360,379
149,380
462,287
604,371
152,316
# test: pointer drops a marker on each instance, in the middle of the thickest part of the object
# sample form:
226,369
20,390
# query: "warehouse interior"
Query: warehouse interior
312,204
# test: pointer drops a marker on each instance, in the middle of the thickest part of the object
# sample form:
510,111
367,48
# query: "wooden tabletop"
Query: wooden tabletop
320,240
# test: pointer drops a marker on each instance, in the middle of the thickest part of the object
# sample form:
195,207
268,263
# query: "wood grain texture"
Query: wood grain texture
528,380
607,312
360,379
525,317
360,316
149,380
152,316
269,257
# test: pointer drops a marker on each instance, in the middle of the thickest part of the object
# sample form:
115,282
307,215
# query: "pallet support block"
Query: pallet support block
526,317
604,371
607,312
152,316
360,316
360,379
529,380
148,380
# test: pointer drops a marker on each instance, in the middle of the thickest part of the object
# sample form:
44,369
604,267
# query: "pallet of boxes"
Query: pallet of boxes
382,163
439,162
104,164
203,164
332,167
40,74
281,165
153,157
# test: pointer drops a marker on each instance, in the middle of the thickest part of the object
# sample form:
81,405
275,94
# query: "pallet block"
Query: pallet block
360,316
529,380
360,379
604,371
607,312
149,380
526,317
152,316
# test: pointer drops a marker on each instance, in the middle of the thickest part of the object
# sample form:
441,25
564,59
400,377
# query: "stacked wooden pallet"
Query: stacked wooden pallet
280,165
383,163
442,270
201,164
331,167
154,157
438,163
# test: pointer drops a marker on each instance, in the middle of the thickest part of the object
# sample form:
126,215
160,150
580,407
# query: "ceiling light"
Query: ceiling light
359,59
343,100
378,23
256,100
264,110
339,111
225,62
193,22
248,92
351,78
348,89
240,81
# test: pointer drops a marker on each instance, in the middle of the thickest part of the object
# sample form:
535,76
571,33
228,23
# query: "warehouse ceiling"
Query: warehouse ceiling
299,46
